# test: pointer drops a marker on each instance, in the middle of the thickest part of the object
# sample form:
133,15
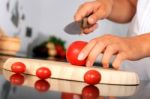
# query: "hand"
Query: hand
109,45
97,10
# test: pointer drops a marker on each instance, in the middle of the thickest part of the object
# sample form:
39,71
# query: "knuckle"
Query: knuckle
100,43
94,40
112,47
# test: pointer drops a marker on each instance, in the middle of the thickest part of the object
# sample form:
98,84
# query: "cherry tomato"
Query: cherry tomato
73,52
90,92
92,77
17,79
43,73
59,48
18,67
42,85
60,51
63,54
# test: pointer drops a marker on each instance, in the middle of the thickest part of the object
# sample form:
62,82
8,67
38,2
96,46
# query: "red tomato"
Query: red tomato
18,67
17,79
42,85
43,73
60,51
90,92
63,54
73,52
92,77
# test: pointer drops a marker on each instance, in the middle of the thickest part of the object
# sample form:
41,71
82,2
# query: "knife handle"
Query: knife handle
84,22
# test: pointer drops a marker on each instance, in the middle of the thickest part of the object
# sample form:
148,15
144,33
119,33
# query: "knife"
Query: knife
76,27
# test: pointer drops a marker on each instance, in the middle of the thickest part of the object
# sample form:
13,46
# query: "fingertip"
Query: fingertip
116,67
86,31
105,65
88,64
94,27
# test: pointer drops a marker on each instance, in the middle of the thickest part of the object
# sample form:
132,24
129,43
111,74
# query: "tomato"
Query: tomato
90,92
17,79
63,54
92,77
73,52
43,73
60,51
18,67
42,85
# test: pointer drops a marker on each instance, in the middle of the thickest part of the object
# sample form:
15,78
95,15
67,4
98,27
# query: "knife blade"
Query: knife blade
73,28
76,27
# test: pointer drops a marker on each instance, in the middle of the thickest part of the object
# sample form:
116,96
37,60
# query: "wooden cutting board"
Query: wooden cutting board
64,70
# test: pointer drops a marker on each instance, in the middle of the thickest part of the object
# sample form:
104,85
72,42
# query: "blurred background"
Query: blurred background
36,22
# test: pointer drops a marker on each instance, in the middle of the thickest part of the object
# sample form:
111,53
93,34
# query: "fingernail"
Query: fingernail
88,64
81,56
105,65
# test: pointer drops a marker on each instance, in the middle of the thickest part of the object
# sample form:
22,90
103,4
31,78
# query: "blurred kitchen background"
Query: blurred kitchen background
34,21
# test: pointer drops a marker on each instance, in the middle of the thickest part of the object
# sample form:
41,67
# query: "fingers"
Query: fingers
86,50
94,53
108,53
97,15
85,10
118,60
108,47
90,29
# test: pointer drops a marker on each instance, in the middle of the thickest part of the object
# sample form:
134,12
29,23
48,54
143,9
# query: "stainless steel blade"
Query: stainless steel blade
73,28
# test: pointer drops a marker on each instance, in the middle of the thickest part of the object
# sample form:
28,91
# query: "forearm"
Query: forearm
141,44
123,10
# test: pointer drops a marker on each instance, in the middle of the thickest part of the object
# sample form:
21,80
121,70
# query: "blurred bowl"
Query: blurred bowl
9,45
